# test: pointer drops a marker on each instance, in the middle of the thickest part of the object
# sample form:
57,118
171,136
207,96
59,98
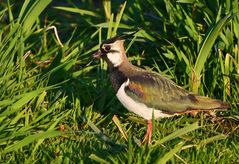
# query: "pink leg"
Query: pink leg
148,135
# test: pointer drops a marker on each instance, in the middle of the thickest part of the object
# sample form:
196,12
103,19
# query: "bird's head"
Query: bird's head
113,51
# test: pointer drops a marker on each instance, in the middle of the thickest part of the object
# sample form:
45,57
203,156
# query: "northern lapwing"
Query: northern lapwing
149,94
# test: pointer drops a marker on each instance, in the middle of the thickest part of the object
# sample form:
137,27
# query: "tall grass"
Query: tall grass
56,104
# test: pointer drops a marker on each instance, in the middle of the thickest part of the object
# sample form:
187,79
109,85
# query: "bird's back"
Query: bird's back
160,93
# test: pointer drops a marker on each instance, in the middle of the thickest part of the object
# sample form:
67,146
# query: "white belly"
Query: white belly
138,108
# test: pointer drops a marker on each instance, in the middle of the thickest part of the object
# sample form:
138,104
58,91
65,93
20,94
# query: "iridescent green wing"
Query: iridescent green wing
157,92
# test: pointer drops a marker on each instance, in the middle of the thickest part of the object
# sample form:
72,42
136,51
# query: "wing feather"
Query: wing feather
158,92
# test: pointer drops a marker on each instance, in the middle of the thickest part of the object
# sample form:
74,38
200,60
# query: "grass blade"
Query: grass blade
33,13
178,133
98,159
118,124
78,11
31,138
170,154
118,19
205,50
211,139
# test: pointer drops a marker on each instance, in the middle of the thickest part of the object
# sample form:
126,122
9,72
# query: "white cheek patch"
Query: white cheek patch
115,58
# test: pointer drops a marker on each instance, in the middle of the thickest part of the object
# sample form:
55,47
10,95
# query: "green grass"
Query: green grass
57,104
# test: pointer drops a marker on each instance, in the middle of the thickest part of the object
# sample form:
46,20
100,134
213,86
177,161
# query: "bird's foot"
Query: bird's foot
148,135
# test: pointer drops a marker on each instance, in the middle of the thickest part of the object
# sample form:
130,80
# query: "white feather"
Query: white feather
137,107
115,58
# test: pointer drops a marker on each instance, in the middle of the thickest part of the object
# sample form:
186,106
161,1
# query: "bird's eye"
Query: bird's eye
107,47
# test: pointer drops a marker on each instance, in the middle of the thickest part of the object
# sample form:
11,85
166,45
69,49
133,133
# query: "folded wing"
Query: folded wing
157,92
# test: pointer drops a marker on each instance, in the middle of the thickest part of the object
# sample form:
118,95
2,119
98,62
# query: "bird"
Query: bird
149,94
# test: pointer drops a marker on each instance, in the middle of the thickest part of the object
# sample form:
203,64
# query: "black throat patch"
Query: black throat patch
117,78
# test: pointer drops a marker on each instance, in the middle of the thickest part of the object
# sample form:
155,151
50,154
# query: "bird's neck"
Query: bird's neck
120,74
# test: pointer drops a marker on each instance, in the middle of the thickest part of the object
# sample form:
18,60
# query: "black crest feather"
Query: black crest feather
120,37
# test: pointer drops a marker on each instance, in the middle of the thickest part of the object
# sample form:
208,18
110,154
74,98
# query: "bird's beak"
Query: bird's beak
97,54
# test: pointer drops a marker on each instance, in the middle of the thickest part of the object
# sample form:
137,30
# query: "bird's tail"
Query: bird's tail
206,103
